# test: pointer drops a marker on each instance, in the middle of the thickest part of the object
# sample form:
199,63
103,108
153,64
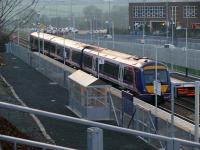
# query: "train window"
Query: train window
46,45
162,76
128,76
52,47
31,39
110,69
87,60
60,51
33,43
67,50
100,66
36,43
76,57
41,43
149,76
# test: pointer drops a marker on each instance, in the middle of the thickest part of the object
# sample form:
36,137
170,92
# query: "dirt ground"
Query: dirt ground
6,128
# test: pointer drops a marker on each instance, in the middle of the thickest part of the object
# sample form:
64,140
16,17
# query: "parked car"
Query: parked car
169,46
74,30
108,36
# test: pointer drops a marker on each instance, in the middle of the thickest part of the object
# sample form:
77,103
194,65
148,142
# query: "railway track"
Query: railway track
184,108
176,114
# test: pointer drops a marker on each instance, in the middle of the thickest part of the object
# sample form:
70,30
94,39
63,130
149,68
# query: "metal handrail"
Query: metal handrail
96,124
32,143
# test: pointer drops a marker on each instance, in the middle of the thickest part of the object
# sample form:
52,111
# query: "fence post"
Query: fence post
170,144
176,145
15,146
64,78
94,138
196,129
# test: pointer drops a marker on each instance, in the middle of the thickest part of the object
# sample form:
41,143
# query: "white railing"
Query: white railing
171,143
44,146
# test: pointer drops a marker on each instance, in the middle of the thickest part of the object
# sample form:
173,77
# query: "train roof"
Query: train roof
102,52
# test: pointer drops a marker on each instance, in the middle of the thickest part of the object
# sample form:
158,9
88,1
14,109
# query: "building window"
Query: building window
173,14
190,11
148,12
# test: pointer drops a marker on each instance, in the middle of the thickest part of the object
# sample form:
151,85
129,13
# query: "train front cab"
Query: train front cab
148,77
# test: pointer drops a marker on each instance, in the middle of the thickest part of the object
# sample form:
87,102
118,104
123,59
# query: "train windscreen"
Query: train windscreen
149,76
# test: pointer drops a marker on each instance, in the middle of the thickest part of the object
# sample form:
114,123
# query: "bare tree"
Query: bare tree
15,13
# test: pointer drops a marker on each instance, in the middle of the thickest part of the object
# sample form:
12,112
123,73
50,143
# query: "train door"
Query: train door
121,74
129,77
99,65
138,83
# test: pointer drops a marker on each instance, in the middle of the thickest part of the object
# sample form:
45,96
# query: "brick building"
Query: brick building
159,16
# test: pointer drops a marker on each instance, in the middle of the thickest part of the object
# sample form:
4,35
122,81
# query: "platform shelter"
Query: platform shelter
89,97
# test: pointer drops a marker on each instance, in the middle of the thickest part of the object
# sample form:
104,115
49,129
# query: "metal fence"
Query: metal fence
54,70
30,143
141,119
144,120
90,102
177,56
168,143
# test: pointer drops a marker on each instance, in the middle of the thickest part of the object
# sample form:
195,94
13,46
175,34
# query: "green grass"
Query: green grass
193,72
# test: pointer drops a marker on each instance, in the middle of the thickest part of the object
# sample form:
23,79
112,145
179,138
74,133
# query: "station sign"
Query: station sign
64,54
157,87
101,61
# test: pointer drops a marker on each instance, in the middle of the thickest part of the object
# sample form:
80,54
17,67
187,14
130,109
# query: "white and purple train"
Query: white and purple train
127,71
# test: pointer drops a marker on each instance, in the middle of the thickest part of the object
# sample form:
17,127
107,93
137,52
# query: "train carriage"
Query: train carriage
127,71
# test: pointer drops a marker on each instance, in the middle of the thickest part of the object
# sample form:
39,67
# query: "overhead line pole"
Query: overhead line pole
109,16
186,47
167,24
143,28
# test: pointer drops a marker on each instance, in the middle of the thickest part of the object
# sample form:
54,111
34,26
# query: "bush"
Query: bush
4,38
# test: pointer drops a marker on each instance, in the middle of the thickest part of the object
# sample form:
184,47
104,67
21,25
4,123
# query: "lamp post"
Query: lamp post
18,31
113,35
109,16
167,22
143,29
172,23
71,22
91,30
143,41
157,84
156,76
186,46
98,62
38,31
64,53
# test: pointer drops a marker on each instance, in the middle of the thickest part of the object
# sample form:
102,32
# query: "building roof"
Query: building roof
82,78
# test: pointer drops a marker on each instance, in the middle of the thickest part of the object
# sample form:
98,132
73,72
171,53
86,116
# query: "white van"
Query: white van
169,46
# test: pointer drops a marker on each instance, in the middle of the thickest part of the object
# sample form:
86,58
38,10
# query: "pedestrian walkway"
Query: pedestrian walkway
39,92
